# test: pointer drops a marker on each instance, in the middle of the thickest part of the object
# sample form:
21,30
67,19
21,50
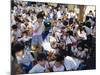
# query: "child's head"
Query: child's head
24,33
90,12
79,48
40,16
59,20
19,49
70,33
41,58
86,49
14,27
59,60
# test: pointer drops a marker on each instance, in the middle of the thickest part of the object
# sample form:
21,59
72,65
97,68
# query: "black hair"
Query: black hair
63,52
94,19
40,15
90,11
25,32
17,18
71,21
59,19
65,22
88,24
70,32
79,44
14,26
41,56
19,46
59,58
86,18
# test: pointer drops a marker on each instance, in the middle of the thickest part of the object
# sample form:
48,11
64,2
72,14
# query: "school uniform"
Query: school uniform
39,69
82,35
59,15
88,30
25,61
71,63
37,36
16,33
56,69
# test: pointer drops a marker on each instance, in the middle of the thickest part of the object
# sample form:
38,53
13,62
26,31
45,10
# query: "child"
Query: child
38,29
71,63
57,65
25,39
24,58
41,66
81,53
15,31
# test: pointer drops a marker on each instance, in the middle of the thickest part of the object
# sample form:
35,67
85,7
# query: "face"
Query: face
43,62
86,49
79,48
20,53
24,34
13,39
58,64
39,20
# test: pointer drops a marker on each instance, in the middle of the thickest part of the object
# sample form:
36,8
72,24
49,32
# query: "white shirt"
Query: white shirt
73,15
51,15
39,31
74,50
17,33
88,30
46,45
58,69
71,63
60,25
81,54
38,68
58,14
70,40
25,59
22,27
55,29
82,35
75,29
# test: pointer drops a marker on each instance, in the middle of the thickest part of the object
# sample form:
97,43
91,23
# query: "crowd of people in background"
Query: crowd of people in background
47,38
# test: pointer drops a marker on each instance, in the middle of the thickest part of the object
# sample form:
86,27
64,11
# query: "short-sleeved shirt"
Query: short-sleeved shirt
39,31
71,63
37,69
26,59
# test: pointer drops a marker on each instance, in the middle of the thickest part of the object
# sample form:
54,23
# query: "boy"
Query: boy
40,67
57,65
38,29
24,58
15,31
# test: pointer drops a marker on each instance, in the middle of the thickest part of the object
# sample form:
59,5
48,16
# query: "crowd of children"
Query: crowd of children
47,38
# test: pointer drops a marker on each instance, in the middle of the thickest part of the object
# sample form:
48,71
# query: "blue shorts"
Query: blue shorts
26,68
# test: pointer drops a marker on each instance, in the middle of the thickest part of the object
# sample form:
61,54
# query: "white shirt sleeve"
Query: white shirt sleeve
37,69
30,56
33,70
34,27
